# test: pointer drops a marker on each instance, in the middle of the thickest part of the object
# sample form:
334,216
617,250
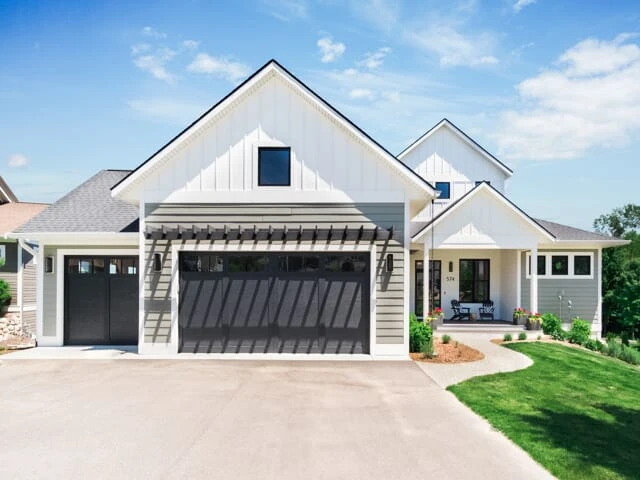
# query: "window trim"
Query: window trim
473,281
448,197
258,167
571,255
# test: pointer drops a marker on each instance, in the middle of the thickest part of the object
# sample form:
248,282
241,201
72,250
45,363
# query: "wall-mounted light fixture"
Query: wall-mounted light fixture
389,262
48,264
157,262
450,267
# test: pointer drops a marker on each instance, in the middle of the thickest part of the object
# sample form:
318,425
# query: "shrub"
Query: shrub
5,294
539,337
610,336
591,344
629,355
624,338
600,347
507,337
613,348
522,336
580,331
420,334
446,338
551,324
427,348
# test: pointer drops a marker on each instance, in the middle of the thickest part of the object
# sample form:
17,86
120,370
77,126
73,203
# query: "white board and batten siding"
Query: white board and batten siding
445,157
328,163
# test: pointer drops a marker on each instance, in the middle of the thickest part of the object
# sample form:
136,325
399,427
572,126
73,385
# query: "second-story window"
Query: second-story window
274,166
445,190
478,182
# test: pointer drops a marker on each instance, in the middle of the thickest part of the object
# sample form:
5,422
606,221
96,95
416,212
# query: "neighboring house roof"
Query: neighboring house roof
245,87
566,233
6,195
12,215
466,138
88,208
467,197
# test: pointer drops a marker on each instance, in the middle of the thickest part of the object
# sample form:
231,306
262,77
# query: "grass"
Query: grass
575,412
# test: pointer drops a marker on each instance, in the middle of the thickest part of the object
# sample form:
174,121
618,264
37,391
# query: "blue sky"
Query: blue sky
551,88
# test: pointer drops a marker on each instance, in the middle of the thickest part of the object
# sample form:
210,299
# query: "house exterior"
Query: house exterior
17,265
273,224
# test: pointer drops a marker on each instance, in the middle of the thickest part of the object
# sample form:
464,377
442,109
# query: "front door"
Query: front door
435,285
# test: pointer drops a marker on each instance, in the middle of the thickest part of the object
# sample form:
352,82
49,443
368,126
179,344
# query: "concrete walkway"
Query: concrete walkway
496,359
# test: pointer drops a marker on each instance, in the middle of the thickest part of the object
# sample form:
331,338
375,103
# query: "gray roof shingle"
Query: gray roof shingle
564,232
88,208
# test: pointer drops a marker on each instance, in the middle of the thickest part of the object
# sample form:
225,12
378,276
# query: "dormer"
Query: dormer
454,163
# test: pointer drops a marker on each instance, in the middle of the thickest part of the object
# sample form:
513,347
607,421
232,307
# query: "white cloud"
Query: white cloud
287,10
360,93
139,48
17,160
154,61
151,32
520,4
191,44
165,110
219,67
383,14
330,50
452,47
375,59
591,99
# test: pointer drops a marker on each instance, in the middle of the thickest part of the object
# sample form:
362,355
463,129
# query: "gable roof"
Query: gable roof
466,138
12,215
482,186
565,233
272,66
88,208
6,194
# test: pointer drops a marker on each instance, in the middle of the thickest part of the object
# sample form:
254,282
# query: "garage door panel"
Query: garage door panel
200,301
86,315
123,309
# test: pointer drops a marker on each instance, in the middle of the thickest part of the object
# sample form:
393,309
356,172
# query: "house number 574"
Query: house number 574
450,278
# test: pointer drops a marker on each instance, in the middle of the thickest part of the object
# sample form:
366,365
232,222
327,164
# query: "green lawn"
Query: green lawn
575,412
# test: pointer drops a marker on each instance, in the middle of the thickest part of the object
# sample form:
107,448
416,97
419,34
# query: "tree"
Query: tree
621,270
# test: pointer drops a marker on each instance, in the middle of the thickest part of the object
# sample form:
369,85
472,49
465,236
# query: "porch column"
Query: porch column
426,306
534,280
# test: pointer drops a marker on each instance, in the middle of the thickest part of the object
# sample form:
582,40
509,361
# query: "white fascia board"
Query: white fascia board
418,237
588,244
420,186
446,123
79,238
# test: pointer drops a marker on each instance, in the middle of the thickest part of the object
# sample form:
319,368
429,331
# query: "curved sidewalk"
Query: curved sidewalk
496,359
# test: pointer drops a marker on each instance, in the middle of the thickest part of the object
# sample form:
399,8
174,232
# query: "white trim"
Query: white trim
60,254
171,348
518,302
268,71
599,309
40,296
464,200
20,279
79,238
406,277
142,273
10,198
474,146
255,161
3,252
571,258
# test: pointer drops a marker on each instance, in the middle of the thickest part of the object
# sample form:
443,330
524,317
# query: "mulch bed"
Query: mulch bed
452,352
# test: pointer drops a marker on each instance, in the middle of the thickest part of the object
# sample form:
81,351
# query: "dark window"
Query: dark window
435,282
247,263
445,190
542,265
474,280
80,265
123,266
478,182
351,263
274,166
582,265
559,265
299,263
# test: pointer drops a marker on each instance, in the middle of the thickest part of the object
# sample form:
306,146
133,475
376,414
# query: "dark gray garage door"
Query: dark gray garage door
101,300
287,303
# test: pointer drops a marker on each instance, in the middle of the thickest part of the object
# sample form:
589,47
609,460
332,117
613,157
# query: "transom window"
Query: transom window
445,190
563,265
274,166
474,280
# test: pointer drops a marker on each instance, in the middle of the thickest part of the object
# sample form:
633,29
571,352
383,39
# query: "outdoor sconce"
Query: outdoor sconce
450,267
157,262
389,262
48,264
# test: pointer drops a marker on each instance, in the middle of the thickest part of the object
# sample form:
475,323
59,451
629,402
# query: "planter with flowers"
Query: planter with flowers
519,316
534,321
435,318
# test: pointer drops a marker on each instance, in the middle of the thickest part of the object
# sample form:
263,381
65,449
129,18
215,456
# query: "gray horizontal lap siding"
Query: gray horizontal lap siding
390,286
583,292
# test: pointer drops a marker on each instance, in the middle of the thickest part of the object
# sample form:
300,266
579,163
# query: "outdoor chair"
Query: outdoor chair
486,310
459,312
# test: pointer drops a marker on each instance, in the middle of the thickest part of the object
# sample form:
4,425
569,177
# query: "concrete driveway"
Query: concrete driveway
242,419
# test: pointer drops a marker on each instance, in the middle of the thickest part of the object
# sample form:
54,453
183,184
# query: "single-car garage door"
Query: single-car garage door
285,303
101,300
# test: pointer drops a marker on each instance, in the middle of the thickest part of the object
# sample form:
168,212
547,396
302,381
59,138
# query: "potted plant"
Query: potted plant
519,314
435,318
534,321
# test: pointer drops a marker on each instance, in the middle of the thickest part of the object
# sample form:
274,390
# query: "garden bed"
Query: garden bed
452,352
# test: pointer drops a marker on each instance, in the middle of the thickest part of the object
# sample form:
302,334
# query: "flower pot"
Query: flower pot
533,325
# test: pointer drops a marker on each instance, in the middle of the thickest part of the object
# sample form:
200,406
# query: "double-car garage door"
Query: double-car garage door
281,303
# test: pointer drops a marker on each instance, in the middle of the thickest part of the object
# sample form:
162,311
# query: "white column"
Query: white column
426,305
599,323
534,280
142,272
